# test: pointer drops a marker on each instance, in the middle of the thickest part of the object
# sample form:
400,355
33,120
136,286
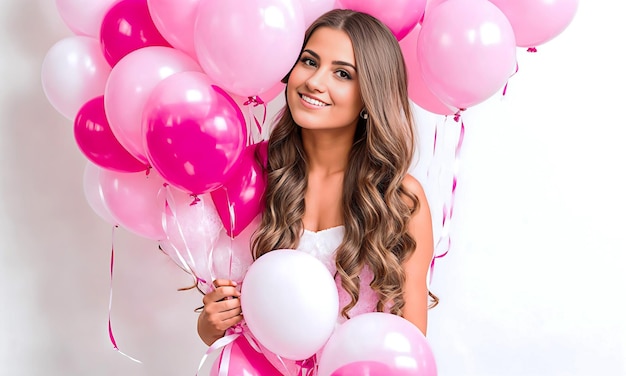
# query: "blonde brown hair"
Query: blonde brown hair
375,210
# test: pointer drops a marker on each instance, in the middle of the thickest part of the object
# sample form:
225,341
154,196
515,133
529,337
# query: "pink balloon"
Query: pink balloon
93,193
379,337
133,201
73,72
400,16
430,4
418,90
130,83
537,21
312,9
240,199
127,27
467,51
365,368
242,359
194,132
290,303
175,21
95,139
83,17
192,227
247,47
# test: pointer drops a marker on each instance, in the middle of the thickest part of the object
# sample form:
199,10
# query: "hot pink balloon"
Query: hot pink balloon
366,368
73,72
194,132
127,27
97,142
418,90
400,16
240,199
239,358
83,17
133,200
379,337
537,21
175,20
247,47
130,83
467,51
93,193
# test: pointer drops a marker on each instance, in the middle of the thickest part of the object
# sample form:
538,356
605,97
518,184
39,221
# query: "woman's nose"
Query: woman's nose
316,82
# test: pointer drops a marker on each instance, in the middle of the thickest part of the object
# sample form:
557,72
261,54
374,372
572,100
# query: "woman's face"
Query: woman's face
323,89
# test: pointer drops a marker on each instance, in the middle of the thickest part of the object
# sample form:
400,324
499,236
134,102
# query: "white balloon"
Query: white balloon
93,193
84,17
73,72
290,303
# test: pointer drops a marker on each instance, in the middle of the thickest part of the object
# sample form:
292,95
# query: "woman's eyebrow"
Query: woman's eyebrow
335,62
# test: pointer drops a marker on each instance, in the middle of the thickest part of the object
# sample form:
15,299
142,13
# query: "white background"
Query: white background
533,284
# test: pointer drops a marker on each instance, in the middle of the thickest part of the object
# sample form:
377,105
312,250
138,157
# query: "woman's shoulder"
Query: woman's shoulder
412,185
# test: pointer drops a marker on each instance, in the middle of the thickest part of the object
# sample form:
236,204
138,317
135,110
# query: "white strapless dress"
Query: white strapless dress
323,245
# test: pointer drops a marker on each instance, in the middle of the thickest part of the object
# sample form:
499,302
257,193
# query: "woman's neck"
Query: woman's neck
327,151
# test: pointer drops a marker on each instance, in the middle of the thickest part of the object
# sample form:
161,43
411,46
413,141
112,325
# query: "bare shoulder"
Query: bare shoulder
411,184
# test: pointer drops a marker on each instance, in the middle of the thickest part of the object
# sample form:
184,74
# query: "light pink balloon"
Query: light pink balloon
192,228
175,20
133,199
290,303
232,256
312,9
74,72
129,85
430,4
418,90
467,51
537,21
247,47
400,16
84,17
93,193
379,337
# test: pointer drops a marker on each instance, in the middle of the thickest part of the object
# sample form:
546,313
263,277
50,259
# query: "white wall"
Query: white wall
532,285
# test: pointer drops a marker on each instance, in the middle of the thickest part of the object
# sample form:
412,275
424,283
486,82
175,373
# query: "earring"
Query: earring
363,114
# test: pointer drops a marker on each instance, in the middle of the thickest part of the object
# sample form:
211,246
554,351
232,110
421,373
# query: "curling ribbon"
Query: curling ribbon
170,211
111,336
231,335
443,244
252,102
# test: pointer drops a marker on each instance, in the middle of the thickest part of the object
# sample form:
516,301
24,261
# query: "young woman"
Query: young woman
337,183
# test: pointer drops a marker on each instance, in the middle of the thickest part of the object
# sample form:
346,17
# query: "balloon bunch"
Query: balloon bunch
157,91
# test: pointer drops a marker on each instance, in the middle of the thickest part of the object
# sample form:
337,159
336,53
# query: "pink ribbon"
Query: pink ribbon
231,335
255,101
111,336
444,243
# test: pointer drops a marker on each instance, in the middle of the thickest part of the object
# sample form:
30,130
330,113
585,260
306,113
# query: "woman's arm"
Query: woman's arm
417,265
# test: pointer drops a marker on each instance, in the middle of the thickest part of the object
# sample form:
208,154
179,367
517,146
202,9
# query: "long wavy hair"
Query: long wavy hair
375,210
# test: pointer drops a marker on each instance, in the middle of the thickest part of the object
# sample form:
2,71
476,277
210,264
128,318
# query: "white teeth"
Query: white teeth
312,101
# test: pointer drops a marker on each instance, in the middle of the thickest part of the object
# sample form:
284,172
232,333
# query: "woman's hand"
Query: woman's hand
222,310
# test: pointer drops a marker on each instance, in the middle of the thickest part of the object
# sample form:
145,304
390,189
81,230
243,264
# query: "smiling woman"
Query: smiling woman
337,177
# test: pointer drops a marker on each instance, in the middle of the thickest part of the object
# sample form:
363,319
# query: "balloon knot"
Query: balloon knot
254,100
531,49
196,199
457,116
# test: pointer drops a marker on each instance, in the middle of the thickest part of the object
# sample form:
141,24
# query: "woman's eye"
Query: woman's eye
344,74
308,61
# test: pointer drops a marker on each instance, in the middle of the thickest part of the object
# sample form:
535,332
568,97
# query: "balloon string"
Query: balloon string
170,212
444,243
507,82
111,336
226,342
252,102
